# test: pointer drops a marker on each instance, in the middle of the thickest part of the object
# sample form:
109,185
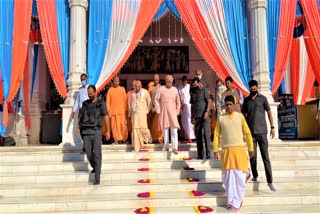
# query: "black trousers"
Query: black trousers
262,141
202,131
92,147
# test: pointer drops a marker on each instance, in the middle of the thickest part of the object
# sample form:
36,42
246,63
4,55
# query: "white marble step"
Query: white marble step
75,156
108,186
166,199
266,209
280,146
120,175
154,163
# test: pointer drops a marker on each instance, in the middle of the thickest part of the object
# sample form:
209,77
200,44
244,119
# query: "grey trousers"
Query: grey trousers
262,141
92,147
202,132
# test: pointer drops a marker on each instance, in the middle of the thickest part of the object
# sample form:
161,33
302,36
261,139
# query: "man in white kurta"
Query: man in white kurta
167,105
139,106
184,91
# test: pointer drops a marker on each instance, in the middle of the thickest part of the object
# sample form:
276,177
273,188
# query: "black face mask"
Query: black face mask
253,93
92,98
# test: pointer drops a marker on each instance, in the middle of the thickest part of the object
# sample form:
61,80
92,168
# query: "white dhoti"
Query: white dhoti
174,138
234,181
186,122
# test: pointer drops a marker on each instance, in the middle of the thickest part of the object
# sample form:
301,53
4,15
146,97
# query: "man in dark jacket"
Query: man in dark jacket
92,113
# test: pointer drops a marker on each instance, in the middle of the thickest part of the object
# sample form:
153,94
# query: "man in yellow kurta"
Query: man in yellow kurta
156,132
232,127
139,107
117,107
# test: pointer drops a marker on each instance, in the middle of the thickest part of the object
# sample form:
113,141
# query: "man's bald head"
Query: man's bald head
138,85
156,79
116,81
169,80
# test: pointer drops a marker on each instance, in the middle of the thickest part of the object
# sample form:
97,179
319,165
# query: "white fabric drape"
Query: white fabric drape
124,16
303,68
213,13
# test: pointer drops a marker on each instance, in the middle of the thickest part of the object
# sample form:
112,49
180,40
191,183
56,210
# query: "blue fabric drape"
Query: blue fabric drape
162,10
100,15
34,68
238,36
6,46
63,24
34,8
273,14
282,88
172,6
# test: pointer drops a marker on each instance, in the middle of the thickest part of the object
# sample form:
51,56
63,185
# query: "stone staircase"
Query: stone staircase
52,179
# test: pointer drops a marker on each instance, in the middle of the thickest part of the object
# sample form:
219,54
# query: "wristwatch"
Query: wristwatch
272,127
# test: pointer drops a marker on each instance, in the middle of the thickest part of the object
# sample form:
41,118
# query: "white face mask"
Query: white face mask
199,76
83,82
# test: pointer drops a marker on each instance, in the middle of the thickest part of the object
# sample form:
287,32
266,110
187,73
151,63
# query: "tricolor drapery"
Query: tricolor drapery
220,35
54,16
15,17
129,20
280,24
312,15
299,77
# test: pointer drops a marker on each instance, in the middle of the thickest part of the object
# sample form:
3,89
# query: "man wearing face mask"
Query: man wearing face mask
139,106
91,116
220,89
200,107
254,108
82,95
203,83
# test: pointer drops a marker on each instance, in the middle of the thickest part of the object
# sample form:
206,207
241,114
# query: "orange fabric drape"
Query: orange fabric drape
306,93
145,16
49,33
197,28
295,69
21,29
312,15
286,26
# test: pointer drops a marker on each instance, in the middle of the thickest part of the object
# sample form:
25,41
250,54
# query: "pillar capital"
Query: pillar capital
258,4
81,3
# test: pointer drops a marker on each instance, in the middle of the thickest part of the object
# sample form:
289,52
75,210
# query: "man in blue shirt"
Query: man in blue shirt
82,95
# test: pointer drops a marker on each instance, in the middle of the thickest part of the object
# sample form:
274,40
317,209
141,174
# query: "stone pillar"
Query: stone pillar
77,66
39,98
259,55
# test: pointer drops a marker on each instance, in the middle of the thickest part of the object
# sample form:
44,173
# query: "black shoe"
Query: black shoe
96,182
93,171
254,179
271,187
199,158
208,157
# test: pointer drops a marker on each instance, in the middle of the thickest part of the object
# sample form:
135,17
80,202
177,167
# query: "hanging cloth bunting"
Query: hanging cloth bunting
54,16
280,25
15,18
161,12
129,21
219,36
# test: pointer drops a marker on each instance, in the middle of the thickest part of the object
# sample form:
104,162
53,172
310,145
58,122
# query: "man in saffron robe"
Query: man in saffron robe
117,107
167,105
232,127
139,106
156,132
231,90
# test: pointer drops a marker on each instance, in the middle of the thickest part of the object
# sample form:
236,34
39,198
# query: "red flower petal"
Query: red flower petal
144,159
204,209
144,195
144,169
143,210
197,193
144,181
